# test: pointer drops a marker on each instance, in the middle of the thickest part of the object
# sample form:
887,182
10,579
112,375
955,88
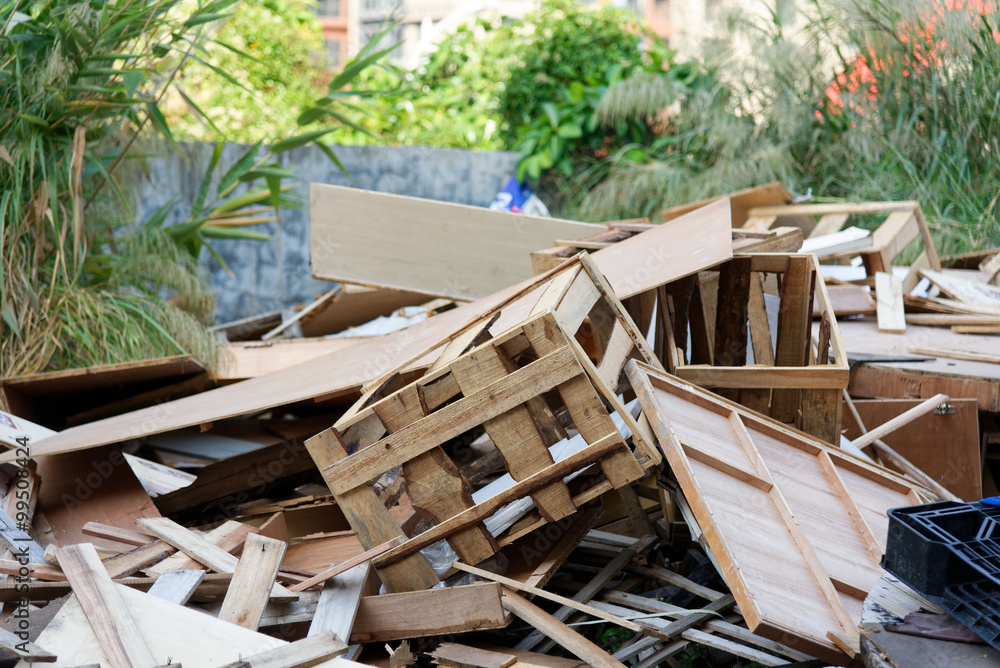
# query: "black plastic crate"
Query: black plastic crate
950,553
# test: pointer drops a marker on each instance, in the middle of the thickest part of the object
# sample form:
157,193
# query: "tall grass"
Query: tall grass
917,116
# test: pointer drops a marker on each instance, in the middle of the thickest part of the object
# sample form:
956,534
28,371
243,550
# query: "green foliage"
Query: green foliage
916,117
285,71
82,283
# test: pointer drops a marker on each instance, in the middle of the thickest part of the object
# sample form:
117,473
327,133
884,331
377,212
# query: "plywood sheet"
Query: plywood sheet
675,249
747,477
438,248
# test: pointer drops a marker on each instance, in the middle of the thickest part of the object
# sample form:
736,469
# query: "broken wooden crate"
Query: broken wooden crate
904,223
504,386
709,317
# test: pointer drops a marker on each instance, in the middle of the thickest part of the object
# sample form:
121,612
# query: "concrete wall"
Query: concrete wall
269,276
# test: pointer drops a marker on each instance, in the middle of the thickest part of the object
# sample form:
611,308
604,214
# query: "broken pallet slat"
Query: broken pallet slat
252,581
101,601
339,602
177,586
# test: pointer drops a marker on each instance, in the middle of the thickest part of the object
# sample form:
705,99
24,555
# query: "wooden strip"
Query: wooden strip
362,558
252,581
140,558
339,601
572,641
991,358
115,629
778,377
302,653
177,586
228,536
520,489
760,329
731,313
454,419
611,570
898,421
951,319
117,534
889,303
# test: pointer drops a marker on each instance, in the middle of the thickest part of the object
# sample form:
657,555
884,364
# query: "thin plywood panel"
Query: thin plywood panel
797,527
421,245
675,249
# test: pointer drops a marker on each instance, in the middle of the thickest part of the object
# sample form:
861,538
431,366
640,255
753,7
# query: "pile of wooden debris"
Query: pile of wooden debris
649,452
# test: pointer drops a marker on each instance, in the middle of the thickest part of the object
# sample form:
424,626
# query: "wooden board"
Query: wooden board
823,512
680,248
946,447
769,194
48,398
251,359
920,380
437,248
355,305
889,303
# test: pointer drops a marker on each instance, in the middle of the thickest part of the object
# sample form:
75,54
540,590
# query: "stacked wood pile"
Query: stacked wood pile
506,441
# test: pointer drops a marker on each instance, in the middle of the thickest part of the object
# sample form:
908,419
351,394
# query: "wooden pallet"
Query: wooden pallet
504,386
903,224
797,527
793,381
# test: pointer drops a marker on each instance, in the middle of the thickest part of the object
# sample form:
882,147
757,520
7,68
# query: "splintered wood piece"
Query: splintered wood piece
101,601
794,317
371,521
889,303
731,313
252,581
177,586
299,654
514,433
569,639
433,481
339,601
463,656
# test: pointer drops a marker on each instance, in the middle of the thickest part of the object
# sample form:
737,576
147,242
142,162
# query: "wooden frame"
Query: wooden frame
903,224
821,511
506,386
793,382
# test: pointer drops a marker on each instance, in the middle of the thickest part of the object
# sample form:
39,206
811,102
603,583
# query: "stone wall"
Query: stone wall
270,276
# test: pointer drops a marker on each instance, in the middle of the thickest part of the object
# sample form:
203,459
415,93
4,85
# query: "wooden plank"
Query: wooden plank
444,249
252,359
228,536
252,581
101,601
177,586
951,319
909,416
299,654
743,201
794,316
889,303
463,656
339,602
731,313
429,613
569,639
956,354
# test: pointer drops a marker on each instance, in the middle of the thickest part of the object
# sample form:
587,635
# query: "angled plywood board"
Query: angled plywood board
769,194
437,248
675,249
797,527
